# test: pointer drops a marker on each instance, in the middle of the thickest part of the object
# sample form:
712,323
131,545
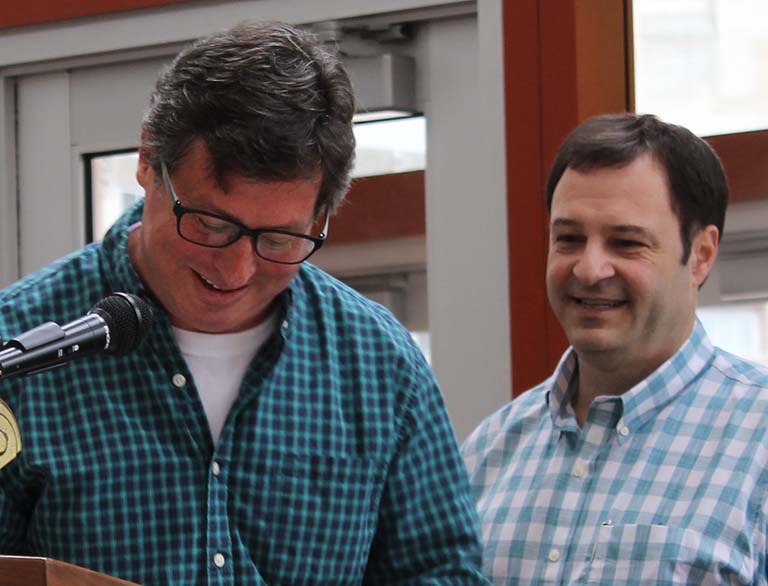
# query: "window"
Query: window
113,189
740,328
391,146
701,63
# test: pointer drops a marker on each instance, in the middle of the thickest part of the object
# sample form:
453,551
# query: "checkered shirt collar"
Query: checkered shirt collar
642,402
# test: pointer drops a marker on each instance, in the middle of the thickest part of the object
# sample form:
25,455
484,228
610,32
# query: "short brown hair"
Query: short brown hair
267,101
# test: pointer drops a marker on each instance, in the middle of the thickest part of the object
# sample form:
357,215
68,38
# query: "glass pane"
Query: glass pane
422,340
115,189
390,146
702,63
739,328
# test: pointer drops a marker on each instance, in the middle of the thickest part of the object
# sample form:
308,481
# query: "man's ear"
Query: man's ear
703,253
145,174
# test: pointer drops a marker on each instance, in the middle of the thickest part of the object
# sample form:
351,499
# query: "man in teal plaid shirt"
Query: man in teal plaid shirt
644,458
275,427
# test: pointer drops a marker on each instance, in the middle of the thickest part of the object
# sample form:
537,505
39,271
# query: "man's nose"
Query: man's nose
593,265
238,262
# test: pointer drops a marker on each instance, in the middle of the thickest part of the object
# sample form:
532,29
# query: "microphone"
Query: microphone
116,325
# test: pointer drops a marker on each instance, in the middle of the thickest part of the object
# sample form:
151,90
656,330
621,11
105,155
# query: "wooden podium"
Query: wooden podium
29,571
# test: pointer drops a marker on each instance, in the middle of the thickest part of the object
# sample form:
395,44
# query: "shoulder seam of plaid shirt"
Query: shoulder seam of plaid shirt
336,465
665,484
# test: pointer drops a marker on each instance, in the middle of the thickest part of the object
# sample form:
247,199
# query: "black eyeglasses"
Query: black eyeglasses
215,231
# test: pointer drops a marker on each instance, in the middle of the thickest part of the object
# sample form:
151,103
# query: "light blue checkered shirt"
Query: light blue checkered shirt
665,484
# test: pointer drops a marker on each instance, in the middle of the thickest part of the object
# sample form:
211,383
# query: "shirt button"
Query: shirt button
215,468
554,556
218,560
624,431
179,380
284,325
579,471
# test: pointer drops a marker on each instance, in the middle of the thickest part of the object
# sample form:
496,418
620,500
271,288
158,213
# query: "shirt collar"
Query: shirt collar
643,401
117,266
562,386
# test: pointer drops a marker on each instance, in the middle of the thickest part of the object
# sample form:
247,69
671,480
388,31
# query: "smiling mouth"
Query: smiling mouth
209,284
213,287
599,303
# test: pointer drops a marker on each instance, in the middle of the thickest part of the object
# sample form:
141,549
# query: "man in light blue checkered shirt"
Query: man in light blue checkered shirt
643,458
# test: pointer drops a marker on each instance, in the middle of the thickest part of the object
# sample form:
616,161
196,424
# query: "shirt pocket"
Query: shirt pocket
322,519
662,555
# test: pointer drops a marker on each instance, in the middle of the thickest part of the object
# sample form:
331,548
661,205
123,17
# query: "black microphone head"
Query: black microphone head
129,319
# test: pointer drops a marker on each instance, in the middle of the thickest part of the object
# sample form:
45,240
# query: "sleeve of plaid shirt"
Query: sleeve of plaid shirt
427,532
12,524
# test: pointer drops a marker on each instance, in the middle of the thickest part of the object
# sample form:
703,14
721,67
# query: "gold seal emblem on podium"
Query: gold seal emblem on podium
10,438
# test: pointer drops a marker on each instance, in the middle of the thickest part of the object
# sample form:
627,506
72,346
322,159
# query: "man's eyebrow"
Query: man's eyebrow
624,230
566,223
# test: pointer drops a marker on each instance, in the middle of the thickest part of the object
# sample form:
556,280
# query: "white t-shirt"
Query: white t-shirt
218,363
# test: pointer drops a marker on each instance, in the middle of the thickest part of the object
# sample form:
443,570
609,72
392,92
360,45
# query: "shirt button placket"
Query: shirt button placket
219,542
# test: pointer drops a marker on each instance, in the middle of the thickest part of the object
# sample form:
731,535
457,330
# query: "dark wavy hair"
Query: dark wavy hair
268,102
695,175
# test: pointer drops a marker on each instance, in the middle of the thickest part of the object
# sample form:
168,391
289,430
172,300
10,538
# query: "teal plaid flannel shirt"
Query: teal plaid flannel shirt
665,484
337,463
